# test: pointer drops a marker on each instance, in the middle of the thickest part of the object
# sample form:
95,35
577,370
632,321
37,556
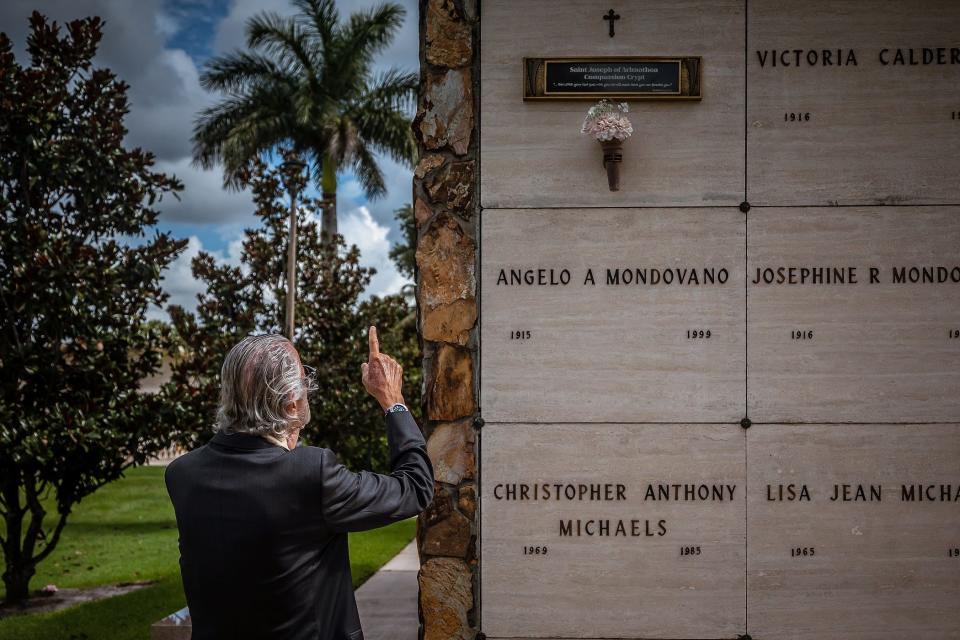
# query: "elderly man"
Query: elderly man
263,544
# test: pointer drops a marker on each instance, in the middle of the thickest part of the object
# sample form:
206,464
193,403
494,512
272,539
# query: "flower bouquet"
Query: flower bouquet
608,123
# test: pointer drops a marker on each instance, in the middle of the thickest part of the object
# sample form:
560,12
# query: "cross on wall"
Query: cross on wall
611,16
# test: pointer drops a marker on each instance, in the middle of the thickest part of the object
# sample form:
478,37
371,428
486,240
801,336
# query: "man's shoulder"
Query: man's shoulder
306,454
182,462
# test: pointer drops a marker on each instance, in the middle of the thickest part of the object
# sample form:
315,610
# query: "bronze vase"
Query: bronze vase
612,157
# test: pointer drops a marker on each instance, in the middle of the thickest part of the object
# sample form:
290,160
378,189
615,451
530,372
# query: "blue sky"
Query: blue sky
159,47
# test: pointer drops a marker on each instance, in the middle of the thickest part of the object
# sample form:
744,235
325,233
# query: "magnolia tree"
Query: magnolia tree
331,332
78,276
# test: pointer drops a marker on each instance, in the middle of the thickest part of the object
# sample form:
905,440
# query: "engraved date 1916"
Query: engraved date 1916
529,550
801,334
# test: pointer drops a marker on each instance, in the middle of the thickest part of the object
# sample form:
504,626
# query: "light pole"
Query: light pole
292,167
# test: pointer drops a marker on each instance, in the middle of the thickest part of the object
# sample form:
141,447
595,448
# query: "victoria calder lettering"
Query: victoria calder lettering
840,57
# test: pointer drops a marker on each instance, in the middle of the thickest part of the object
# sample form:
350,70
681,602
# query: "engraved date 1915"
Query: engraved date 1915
521,334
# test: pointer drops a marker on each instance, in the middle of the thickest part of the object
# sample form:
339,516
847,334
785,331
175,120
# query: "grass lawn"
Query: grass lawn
126,532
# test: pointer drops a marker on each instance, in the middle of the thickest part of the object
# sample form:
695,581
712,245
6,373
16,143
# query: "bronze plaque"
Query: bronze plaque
612,531
853,531
853,103
602,315
618,78
854,314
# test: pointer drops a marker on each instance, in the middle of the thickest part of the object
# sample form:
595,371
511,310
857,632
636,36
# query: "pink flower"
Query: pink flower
49,590
605,121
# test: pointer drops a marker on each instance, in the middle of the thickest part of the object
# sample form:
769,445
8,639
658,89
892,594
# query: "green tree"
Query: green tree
306,83
79,274
332,327
404,253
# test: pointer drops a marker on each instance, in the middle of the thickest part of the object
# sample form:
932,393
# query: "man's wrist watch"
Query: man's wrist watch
397,406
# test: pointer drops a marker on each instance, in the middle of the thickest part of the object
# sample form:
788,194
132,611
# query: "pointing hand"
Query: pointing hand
382,375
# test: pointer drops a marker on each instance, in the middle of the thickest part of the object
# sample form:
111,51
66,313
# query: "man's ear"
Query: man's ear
291,407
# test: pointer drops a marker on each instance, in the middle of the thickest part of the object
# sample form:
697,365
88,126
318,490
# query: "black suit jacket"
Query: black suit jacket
263,542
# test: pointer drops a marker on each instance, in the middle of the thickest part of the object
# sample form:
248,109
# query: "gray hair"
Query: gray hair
259,378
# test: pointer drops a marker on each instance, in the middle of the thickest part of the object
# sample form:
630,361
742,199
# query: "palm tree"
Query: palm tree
306,84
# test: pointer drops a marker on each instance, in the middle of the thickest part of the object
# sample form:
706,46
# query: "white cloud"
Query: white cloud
164,100
203,199
358,227
178,278
179,282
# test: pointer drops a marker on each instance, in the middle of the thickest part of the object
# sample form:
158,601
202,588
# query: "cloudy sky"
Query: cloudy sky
159,47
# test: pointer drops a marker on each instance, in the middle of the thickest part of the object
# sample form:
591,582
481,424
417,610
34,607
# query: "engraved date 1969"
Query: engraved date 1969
530,550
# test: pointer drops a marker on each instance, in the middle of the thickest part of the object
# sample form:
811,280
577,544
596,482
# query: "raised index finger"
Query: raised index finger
374,344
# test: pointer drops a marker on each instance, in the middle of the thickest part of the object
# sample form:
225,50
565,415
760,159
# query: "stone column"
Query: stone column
446,207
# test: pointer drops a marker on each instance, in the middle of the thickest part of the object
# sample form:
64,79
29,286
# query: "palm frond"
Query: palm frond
369,32
380,118
285,39
239,129
231,73
392,89
368,171
366,34
323,18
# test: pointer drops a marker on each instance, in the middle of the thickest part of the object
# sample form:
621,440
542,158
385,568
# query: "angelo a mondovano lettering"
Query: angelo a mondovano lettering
704,276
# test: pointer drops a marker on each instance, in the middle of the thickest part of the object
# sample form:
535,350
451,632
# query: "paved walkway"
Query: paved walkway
388,600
